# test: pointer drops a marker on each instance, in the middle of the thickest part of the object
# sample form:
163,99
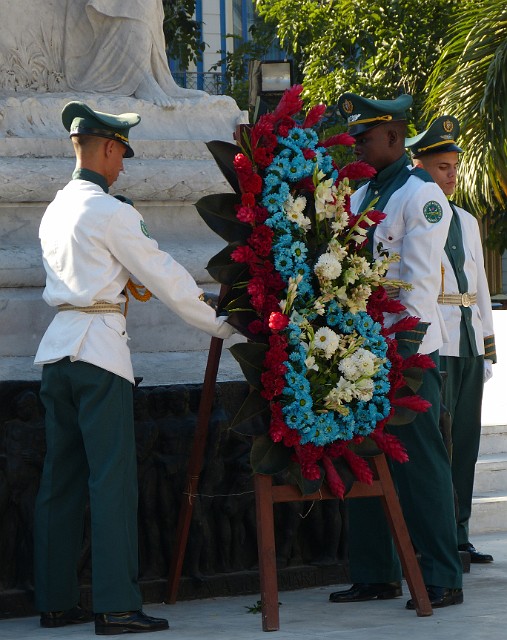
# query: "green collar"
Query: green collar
392,170
91,176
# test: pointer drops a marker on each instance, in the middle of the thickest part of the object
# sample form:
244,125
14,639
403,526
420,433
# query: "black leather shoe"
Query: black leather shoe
362,591
440,597
475,556
109,624
76,615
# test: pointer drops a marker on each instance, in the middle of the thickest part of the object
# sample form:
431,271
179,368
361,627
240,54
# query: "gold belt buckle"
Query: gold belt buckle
465,300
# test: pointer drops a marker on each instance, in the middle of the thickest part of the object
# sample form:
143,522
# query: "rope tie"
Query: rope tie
139,291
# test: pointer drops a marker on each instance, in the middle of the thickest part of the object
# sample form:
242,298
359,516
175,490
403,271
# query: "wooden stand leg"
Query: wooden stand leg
267,554
266,495
194,469
401,537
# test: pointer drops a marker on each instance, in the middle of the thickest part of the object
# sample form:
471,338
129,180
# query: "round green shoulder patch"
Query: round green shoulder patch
433,211
144,229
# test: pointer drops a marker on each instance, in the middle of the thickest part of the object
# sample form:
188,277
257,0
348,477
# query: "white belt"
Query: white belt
461,299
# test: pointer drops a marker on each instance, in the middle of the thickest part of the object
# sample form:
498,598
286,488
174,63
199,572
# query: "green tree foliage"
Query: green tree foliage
470,81
182,32
377,48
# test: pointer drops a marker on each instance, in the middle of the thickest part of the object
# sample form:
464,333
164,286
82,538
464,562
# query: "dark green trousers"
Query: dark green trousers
425,491
463,397
90,449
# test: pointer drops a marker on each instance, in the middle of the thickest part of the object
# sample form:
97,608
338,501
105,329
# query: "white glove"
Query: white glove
488,370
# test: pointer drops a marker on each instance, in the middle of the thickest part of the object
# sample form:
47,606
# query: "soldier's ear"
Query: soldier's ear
393,137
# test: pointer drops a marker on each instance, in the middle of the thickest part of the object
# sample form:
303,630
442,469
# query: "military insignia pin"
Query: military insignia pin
348,107
448,125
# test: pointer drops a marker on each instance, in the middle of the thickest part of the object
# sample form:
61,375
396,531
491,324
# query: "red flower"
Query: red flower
340,138
263,130
390,445
262,157
357,171
314,115
273,385
252,183
284,126
248,199
333,480
248,180
306,184
261,240
308,154
242,164
415,403
405,324
255,327
419,360
359,467
243,254
246,214
290,102
261,214
278,321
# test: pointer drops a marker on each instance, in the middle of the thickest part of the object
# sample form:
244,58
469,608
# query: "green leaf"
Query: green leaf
253,415
366,449
305,486
219,213
402,416
250,356
224,154
269,457
413,378
345,473
223,269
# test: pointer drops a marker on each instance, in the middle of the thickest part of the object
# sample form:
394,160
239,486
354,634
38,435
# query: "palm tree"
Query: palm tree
469,81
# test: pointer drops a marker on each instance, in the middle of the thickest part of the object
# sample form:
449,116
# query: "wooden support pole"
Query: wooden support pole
195,465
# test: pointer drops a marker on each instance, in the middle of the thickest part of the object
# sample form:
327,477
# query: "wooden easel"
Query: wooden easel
266,495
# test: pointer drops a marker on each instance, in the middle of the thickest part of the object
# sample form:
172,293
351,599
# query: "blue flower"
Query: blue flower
299,251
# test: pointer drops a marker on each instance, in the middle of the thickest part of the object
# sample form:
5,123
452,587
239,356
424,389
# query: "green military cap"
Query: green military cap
79,119
439,137
362,114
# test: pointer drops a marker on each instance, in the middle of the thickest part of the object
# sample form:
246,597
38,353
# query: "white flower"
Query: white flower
326,340
294,208
342,392
325,199
328,267
310,363
364,389
358,365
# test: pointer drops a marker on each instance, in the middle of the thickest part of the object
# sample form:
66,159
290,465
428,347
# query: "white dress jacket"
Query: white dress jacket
482,315
420,244
91,243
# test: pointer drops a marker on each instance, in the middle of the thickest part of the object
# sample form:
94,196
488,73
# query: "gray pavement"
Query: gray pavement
308,614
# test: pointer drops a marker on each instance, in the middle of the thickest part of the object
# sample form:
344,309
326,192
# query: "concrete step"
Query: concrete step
161,368
489,513
493,439
491,473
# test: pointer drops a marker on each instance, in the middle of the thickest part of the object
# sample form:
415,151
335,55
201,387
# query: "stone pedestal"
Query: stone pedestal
171,170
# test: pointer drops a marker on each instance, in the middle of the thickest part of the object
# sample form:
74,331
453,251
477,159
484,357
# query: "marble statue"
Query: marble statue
114,47
118,47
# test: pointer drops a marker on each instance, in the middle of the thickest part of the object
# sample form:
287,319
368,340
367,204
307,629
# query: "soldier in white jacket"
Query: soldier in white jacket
415,227
91,243
465,304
